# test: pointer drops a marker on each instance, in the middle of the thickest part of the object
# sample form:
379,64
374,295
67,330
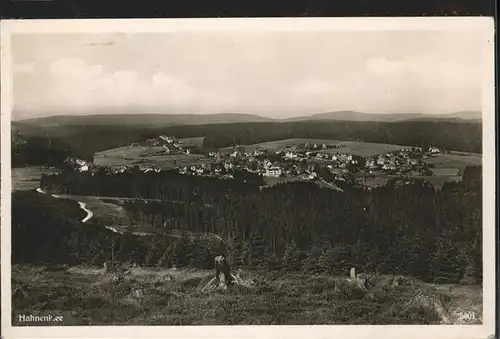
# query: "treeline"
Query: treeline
46,230
83,143
37,154
167,185
459,136
401,228
87,140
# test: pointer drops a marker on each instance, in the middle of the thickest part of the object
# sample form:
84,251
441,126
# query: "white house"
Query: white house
380,160
389,166
80,162
434,150
290,155
312,176
165,138
370,163
345,157
121,169
273,172
84,168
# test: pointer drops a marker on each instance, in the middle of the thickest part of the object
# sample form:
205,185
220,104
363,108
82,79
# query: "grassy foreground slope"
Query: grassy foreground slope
84,295
293,285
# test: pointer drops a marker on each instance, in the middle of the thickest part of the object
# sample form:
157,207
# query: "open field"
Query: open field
84,295
193,142
106,212
376,181
130,156
28,178
436,180
363,149
454,160
440,180
271,181
109,212
290,142
453,172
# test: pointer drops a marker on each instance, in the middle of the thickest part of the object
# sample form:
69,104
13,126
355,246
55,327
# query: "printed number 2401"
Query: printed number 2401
466,315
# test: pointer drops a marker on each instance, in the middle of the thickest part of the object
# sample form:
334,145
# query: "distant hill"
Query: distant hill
397,117
466,115
141,120
164,120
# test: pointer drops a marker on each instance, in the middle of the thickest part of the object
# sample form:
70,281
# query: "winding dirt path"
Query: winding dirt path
82,205
90,214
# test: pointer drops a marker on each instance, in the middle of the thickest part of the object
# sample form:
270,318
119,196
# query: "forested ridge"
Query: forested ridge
459,136
402,228
86,141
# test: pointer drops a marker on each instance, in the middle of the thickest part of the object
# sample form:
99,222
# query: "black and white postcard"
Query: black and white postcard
257,178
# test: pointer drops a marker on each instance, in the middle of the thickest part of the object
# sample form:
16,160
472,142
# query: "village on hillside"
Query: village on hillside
325,163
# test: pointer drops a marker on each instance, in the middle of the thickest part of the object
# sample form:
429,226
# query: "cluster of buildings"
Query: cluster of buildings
78,164
305,162
169,145
299,161
407,160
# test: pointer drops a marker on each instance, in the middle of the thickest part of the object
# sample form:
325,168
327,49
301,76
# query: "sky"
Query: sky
276,74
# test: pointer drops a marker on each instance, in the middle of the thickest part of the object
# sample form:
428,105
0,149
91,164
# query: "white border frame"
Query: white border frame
484,25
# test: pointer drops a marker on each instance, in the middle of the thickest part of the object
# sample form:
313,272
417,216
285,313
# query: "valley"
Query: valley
164,206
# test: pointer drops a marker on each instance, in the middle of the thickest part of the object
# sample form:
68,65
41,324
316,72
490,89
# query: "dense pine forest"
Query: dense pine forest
85,141
407,228
459,136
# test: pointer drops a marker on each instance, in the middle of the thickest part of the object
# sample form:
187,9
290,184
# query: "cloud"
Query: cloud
380,84
76,83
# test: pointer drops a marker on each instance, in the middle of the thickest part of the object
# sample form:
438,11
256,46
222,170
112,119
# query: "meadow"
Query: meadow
136,155
193,142
28,178
449,167
363,149
454,160
85,295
